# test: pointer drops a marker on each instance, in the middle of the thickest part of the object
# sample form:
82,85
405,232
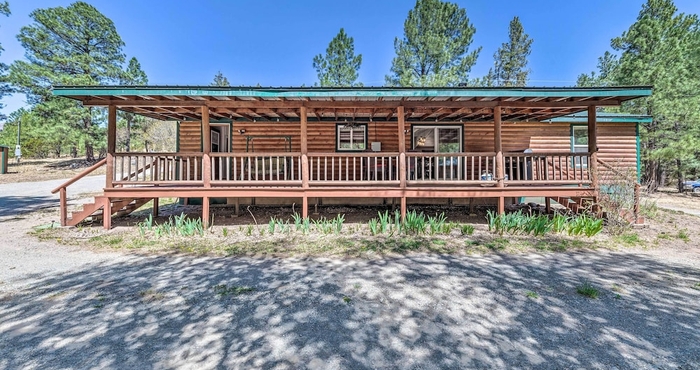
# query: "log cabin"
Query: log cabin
252,145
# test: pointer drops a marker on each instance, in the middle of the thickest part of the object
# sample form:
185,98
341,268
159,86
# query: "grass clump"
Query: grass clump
518,223
531,294
466,229
629,239
587,290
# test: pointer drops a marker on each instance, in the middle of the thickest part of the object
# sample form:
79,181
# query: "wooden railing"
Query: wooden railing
546,168
256,168
369,168
451,168
353,168
157,168
62,190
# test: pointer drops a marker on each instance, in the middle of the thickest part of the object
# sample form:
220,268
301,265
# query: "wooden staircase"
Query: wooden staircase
576,204
95,211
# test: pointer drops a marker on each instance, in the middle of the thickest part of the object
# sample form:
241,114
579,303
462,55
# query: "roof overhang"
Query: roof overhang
367,103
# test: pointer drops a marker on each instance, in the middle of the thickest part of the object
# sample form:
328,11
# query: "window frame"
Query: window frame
341,125
438,126
574,145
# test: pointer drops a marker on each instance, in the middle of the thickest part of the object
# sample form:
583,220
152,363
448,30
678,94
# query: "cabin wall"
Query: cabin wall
617,142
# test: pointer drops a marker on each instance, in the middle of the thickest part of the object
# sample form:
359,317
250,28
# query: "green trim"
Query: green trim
639,153
296,92
602,118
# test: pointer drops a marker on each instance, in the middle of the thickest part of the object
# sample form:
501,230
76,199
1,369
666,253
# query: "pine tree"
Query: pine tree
340,65
220,80
75,45
510,61
133,75
662,49
5,88
435,48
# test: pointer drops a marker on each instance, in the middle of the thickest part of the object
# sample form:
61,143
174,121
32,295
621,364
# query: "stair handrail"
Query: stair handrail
63,206
637,188
85,172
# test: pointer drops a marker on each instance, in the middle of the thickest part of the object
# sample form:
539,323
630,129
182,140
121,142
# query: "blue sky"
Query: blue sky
272,42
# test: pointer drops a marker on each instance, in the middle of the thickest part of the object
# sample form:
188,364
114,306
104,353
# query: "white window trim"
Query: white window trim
339,127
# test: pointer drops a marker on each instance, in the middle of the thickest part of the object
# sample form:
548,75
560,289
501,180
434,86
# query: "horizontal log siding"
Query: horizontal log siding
190,137
616,141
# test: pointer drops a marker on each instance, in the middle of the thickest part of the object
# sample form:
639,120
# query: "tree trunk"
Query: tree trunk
89,150
680,175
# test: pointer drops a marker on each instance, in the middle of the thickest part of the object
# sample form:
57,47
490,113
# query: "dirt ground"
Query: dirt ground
29,170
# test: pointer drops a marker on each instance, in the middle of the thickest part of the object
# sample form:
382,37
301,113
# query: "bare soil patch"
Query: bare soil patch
29,170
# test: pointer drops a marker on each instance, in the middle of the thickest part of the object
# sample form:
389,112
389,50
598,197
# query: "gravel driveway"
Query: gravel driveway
62,307
22,197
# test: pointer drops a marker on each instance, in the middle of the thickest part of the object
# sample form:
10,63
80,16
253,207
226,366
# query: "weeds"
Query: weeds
466,229
414,223
531,294
437,224
538,225
587,290
683,235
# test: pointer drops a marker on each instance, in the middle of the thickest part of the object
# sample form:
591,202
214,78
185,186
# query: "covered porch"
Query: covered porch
399,167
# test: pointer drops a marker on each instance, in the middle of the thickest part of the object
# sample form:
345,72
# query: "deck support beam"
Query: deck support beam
593,150
156,203
498,148
304,161
206,162
106,212
402,157
111,144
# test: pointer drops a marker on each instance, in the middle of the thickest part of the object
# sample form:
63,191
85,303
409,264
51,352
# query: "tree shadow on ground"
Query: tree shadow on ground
416,311
16,205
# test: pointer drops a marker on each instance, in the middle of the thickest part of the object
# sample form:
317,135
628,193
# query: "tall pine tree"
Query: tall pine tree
510,61
5,88
220,80
435,48
339,66
133,75
75,45
662,49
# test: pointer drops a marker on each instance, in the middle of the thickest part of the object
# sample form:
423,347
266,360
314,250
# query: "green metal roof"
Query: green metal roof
369,92
582,117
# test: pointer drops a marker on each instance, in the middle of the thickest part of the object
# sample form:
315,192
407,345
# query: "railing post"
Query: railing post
304,162
206,148
63,207
111,144
497,144
402,158
593,149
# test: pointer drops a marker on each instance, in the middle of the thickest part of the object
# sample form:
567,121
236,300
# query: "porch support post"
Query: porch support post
593,149
111,144
205,212
304,162
106,213
156,202
402,158
206,147
498,148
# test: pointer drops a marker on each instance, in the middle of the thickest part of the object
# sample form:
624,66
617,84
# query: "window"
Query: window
351,137
579,144
439,139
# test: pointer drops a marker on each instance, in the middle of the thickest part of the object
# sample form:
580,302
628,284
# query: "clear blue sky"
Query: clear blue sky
272,42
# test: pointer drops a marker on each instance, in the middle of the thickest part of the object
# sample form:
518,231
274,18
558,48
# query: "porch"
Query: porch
307,171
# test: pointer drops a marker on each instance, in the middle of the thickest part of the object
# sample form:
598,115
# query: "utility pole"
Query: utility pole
18,148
